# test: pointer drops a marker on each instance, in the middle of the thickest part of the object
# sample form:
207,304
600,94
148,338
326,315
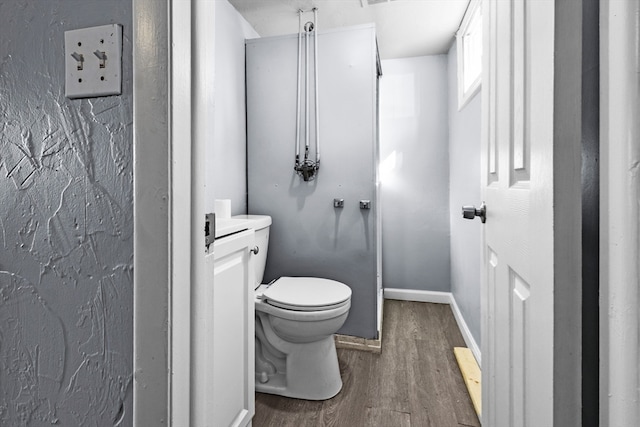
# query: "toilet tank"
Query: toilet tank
260,224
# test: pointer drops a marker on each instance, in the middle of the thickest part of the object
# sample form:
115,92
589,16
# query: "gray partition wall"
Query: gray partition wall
309,237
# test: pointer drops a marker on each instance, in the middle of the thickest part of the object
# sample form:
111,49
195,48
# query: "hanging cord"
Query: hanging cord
296,167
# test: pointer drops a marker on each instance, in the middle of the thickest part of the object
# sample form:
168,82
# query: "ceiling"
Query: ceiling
404,28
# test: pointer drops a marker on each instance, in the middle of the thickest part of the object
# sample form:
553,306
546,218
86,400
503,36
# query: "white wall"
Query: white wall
415,186
226,152
464,183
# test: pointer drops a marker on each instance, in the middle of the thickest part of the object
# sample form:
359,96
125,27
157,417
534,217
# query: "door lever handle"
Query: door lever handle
470,212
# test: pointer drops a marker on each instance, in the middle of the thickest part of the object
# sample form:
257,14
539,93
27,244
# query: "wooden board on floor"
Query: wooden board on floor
471,374
357,343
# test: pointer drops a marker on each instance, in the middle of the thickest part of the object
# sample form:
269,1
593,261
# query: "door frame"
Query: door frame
619,213
151,181
168,206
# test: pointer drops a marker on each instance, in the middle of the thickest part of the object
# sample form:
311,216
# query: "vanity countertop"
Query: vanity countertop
226,226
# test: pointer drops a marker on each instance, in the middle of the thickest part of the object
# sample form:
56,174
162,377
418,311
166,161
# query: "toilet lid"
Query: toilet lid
307,293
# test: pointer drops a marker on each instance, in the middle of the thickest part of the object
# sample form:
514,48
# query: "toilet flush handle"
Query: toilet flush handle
255,250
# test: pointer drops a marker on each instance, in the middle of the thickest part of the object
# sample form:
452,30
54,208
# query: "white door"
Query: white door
518,283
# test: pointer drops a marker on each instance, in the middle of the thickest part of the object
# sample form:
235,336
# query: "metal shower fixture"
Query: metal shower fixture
306,167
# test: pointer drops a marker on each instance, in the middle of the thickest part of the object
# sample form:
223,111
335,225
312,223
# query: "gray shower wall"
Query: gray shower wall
309,237
66,225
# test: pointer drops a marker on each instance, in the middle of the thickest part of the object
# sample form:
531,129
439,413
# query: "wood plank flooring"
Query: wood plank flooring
414,382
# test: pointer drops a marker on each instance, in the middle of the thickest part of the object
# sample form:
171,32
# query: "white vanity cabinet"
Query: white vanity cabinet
231,266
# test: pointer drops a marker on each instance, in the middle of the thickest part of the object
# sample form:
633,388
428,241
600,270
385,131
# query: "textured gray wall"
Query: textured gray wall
308,236
415,189
464,175
66,225
227,150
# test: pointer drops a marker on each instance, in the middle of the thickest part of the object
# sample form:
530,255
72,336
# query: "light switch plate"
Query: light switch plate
93,61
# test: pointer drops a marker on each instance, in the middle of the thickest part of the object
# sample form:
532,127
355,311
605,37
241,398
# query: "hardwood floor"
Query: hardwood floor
414,382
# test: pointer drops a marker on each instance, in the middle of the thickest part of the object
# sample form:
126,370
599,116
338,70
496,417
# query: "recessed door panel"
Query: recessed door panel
519,170
520,292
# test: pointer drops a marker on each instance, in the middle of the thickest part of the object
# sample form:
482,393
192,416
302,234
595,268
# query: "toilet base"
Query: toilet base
311,372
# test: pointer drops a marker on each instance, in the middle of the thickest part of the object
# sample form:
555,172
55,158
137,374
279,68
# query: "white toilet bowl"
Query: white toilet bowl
296,318
295,350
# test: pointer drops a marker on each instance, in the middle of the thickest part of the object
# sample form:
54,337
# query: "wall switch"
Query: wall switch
93,61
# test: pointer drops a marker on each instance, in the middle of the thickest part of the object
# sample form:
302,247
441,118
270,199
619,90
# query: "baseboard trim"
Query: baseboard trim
357,343
438,298
466,333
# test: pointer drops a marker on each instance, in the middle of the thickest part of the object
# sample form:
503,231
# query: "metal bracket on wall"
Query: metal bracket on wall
338,203
365,204
209,228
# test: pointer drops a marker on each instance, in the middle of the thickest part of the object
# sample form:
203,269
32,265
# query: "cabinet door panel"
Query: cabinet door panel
231,268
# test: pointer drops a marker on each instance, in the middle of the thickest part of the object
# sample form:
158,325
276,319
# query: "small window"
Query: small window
469,44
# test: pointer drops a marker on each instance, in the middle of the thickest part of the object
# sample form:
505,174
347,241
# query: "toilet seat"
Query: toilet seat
307,294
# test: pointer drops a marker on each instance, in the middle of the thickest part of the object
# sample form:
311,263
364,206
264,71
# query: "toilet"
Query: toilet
295,320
